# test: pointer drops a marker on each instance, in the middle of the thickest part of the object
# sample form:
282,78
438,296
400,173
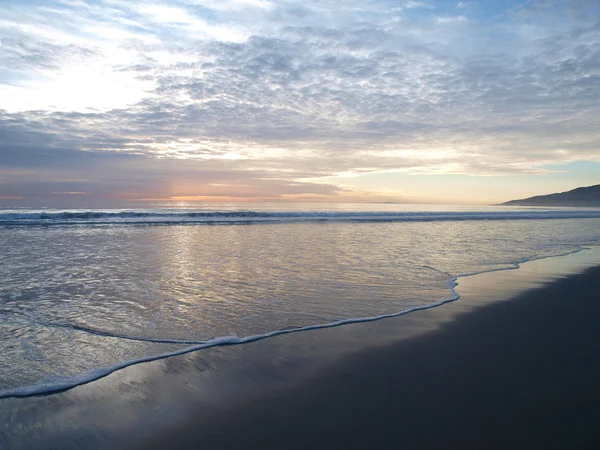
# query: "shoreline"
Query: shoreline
154,401
519,373
224,341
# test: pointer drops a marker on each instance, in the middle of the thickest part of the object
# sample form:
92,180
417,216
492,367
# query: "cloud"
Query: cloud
277,92
36,165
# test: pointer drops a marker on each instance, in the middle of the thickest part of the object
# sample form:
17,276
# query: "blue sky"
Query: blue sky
373,100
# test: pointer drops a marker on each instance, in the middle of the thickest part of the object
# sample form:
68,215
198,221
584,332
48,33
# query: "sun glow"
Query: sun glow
81,88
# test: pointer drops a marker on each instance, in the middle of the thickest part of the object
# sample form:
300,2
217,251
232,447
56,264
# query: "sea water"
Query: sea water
83,293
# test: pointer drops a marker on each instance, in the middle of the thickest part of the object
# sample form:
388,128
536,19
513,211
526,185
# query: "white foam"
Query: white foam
163,217
77,380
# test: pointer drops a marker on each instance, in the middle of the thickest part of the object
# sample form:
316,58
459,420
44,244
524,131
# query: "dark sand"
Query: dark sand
516,374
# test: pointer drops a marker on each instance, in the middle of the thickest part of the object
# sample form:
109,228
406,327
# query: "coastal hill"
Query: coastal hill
583,196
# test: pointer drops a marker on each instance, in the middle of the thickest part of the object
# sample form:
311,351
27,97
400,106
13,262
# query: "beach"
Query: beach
522,373
512,364
299,224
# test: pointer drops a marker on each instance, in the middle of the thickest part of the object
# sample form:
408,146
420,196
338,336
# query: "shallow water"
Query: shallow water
85,292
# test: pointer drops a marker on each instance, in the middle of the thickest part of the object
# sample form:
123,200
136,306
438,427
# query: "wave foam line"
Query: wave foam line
78,380
246,217
108,334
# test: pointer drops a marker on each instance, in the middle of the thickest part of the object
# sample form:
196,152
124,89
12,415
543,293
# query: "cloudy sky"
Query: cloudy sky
322,100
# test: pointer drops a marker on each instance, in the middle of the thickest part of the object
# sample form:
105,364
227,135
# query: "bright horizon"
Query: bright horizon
113,102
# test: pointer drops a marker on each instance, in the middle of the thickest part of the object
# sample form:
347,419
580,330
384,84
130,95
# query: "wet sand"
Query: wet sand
522,373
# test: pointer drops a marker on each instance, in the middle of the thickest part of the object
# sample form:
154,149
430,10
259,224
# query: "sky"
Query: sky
468,102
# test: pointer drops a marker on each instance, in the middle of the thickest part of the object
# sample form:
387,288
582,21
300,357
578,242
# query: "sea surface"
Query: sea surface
84,293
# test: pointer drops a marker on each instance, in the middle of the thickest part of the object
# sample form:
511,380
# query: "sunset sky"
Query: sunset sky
320,100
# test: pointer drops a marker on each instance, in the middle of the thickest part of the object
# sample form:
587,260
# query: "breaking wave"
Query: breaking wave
221,217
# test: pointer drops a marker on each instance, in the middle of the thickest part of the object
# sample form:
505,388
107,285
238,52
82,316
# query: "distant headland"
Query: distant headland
580,197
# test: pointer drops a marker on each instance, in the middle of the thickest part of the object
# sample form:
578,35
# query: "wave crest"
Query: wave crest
243,216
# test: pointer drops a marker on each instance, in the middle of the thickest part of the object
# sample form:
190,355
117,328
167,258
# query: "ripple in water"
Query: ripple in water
77,299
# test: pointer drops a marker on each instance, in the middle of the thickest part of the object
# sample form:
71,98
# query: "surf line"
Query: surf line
79,380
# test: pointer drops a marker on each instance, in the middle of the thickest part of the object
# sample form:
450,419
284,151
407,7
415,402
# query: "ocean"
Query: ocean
84,293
